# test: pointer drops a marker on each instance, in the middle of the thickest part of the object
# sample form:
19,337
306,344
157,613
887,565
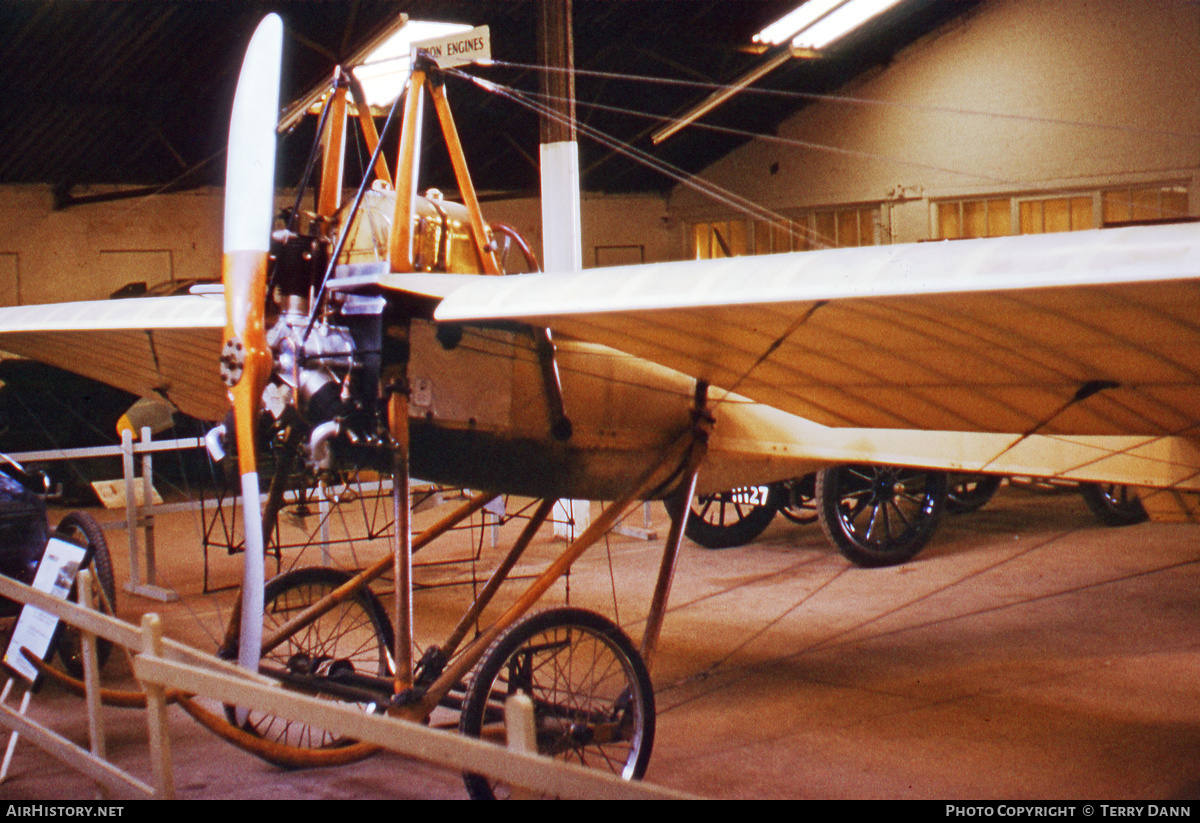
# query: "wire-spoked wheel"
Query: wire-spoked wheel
880,515
325,656
592,699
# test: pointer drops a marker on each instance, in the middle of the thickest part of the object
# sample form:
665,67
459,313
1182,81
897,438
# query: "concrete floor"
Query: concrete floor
1027,653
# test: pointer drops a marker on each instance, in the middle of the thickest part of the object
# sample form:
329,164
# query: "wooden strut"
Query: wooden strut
426,76
367,123
484,246
684,453
352,586
688,451
402,547
498,577
679,507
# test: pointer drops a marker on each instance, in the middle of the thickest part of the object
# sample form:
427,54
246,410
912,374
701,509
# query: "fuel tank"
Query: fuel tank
441,230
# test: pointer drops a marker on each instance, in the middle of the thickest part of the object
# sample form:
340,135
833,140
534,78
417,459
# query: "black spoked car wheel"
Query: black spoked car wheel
731,518
1113,504
970,492
880,515
798,499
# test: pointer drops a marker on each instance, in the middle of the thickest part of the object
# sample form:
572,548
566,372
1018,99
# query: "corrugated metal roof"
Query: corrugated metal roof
139,92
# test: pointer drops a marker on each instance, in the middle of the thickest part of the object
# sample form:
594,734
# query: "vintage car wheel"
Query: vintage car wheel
1113,504
81,528
880,515
970,492
731,518
798,499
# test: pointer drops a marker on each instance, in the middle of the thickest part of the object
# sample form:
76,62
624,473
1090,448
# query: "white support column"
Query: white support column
562,250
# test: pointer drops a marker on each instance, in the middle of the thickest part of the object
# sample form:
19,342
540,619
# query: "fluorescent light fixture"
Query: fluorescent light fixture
796,21
818,23
385,71
845,19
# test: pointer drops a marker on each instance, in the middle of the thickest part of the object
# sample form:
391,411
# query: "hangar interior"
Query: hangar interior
1030,652
1045,119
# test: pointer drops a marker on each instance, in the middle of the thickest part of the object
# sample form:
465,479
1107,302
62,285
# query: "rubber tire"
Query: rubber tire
81,528
720,533
844,525
1114,504
798,499
353,615
595,638
971,492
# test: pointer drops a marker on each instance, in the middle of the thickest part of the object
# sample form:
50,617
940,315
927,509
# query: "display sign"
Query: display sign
35,628
474,46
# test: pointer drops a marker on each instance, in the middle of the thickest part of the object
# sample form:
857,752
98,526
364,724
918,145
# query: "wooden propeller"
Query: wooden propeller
246,358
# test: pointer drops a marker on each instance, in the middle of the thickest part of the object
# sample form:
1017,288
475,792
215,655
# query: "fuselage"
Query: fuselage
480,418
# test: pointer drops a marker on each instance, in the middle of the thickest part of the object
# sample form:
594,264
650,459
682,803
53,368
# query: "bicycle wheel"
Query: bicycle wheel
593,702
354,638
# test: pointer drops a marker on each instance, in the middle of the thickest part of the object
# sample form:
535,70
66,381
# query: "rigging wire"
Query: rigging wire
786,141
862,101
744,205
721,195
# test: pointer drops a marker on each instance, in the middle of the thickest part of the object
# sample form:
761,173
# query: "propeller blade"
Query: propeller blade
246,358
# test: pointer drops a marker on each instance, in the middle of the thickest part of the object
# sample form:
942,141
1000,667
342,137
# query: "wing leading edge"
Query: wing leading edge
166,346
1086,333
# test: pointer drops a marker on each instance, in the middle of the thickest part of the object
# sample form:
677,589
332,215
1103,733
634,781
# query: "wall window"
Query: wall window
722,239
845,227
974,218
1141,204
999,216
831,228
1051,214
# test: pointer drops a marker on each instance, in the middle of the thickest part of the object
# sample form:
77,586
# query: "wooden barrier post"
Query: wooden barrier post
91,675
12,738
520,728
156,713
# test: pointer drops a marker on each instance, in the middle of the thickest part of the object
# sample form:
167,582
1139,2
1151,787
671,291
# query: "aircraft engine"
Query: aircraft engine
316,368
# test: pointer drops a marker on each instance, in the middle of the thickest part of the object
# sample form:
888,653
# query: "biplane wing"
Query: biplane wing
1086,333
157,346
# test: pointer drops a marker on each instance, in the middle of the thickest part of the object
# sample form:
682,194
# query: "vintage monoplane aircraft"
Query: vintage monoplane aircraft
384,338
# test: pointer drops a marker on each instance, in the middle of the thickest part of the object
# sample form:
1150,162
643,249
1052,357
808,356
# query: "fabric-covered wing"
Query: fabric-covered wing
167,346
1091,332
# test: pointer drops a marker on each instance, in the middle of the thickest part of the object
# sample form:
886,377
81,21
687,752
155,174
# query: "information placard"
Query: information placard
35,628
